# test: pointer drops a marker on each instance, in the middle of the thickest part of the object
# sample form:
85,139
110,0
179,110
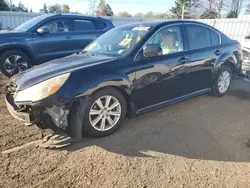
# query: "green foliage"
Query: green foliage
19,8
45,9
104,9
232,14
209,14
4,6
55,9
124,14
139,15
248,9
177,9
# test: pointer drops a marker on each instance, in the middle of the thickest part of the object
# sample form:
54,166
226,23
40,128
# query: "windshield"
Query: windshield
29,24
117,41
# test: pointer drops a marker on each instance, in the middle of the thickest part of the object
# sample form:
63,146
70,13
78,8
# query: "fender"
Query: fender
8,46
121,81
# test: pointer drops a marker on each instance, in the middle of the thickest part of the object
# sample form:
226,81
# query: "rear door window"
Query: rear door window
215,37
84,25
198,36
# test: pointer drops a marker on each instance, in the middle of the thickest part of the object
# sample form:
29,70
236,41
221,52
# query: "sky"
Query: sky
131,6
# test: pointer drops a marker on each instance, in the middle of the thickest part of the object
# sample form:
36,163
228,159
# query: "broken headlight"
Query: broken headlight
42,90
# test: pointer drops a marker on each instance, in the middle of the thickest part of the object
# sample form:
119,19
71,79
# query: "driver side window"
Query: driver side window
57,26
168,39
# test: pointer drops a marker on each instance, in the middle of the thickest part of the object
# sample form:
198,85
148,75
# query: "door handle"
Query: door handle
68,37
217,52
183,60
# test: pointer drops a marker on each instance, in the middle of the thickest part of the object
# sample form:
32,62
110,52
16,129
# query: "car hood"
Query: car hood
57,67
10,34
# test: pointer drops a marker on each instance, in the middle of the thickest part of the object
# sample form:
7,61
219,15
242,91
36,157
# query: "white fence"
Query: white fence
235,28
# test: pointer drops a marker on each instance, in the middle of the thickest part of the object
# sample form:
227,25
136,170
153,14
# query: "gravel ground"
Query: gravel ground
203,142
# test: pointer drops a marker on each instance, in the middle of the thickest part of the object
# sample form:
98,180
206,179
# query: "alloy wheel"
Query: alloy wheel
224,81
105,113
15,64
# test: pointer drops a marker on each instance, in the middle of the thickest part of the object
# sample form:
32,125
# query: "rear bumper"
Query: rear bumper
15,111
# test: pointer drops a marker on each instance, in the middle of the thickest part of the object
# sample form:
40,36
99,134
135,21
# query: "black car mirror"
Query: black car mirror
152,51
43,30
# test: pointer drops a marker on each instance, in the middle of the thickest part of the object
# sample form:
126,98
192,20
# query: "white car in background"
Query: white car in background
245,69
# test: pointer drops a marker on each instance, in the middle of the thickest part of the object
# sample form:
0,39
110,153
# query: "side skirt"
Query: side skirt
172,101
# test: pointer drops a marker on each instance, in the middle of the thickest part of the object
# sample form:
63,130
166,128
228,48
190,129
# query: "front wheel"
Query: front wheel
105,113
13,62
223,81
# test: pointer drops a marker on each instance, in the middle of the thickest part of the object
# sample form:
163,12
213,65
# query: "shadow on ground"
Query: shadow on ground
206,128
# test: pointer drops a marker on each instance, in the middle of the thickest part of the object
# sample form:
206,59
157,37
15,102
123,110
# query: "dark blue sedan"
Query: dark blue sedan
48,37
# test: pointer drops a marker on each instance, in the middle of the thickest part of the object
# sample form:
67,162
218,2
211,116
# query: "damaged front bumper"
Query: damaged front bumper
45,117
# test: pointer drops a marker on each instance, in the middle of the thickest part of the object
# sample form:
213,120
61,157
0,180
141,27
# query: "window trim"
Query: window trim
54,19
208,27
89,20
153,35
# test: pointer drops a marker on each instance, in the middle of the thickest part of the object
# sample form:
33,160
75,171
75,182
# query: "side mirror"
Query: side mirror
43,30
152,51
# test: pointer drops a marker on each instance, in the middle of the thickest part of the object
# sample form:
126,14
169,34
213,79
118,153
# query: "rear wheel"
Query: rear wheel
105,113
223,81
14,62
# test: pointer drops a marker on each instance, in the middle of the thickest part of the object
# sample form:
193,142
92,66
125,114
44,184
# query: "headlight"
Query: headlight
42,90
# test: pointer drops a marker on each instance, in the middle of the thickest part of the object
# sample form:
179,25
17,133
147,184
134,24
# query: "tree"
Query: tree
66,8
31,10
104,9
124,14
45,9
248,9
139,15
55,9
232,14
21,7
149,14
178,9
209,14
109,10
235,7
4,6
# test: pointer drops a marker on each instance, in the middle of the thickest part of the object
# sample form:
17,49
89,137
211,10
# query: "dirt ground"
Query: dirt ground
203,142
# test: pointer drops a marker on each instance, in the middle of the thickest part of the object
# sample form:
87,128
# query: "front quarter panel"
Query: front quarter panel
84,82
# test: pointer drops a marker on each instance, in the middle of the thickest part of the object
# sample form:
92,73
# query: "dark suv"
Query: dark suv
48,37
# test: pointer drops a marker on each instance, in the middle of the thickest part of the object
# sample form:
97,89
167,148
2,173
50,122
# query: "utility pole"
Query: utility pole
11,5
182,11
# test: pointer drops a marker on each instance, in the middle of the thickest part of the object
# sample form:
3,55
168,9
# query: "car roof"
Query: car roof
82,16
155,23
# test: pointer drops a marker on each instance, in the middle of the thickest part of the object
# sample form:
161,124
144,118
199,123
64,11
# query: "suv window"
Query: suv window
215,37
198,36
57,26
84,25
169,39
100,25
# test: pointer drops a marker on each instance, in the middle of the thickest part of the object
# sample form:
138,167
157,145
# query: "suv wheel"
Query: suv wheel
223,81
14,62
105,113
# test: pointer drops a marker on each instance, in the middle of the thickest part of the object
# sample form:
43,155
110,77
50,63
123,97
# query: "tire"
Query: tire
217,90
102,95
13,62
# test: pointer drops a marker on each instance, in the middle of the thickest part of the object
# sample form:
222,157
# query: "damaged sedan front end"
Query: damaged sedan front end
34,104
47,95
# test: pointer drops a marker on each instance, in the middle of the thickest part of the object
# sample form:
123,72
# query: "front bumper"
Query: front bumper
15,111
